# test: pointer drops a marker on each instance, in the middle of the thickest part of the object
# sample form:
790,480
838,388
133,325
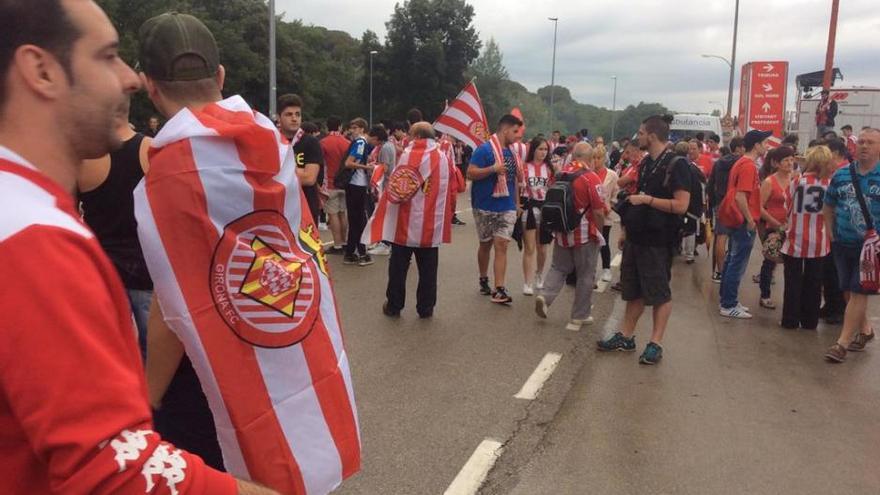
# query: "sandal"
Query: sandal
767,304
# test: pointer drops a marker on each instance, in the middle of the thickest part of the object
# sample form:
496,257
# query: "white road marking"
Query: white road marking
618,258
475,470
533,385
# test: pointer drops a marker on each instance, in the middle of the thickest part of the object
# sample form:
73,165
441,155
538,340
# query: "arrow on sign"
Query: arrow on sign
768,87
765,107
768,67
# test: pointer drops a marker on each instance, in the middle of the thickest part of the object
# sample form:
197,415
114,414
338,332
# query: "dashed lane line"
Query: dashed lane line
535,383
475,470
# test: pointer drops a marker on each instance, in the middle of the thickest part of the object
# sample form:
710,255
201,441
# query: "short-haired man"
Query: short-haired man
651,224
419,225
495,201
745,182
384,157
356,194
714,145
826,111
306,149
716,189
848,227
74,411
578,250
334,147
850,139
239,273
152,127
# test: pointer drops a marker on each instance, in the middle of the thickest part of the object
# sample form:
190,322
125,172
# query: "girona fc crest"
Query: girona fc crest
477,129
266,281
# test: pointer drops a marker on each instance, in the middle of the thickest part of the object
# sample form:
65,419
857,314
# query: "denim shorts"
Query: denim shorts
847,260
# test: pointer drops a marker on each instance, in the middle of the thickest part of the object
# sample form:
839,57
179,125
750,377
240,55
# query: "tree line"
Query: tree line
431,50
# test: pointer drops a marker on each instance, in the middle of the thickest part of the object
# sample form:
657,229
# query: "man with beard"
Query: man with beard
66,325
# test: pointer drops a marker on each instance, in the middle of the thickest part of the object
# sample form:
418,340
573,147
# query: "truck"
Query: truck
856,106
687,124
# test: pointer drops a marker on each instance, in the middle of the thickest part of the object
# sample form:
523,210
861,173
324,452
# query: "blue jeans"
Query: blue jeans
140,308
738,253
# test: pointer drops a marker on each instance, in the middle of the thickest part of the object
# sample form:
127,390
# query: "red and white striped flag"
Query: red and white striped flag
464,118
426,219
242,280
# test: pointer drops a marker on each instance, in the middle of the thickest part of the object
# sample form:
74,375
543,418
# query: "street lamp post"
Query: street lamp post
553,70
730,88
614,108
273,83
732,60
372,52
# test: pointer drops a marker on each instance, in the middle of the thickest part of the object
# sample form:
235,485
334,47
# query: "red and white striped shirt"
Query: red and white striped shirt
538,177
588,197
806,236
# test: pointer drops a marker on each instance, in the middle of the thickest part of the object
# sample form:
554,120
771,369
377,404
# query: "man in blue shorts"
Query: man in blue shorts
847,224
495,212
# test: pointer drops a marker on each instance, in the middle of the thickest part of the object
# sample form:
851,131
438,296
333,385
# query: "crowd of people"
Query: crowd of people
134,223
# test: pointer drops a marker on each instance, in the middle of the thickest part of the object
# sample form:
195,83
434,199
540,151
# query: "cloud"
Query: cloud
652,46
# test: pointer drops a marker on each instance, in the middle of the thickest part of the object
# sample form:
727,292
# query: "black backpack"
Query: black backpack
558,214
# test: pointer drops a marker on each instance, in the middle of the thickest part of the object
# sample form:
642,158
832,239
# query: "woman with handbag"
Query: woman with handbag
807,242
775,200
538,175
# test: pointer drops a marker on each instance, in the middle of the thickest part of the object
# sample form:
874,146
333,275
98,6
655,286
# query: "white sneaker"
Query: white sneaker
541,307
606,275
735,312
528,290
323,227
380,250
539,281
575,325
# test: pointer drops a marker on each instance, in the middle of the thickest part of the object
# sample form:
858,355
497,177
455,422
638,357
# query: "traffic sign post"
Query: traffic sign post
762,97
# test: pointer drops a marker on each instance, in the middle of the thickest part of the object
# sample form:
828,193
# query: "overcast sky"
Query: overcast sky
652,46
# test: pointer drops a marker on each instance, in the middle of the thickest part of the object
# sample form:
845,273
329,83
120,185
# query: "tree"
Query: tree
491,76
429,45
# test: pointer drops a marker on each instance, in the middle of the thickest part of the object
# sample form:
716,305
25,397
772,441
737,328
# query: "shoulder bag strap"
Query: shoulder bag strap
869,222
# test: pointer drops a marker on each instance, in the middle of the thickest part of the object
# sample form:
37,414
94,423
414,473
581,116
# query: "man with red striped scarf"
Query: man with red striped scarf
240,274
416,225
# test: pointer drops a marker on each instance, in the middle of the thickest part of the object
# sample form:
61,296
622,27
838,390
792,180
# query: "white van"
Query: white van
687,124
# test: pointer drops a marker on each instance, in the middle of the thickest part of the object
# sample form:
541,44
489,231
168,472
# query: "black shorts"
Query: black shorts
645,273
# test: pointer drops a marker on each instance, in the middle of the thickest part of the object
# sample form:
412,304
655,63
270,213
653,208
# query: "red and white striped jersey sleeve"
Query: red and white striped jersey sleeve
75,417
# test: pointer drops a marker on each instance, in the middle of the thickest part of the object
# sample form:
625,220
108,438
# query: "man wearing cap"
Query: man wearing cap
239,273
744,180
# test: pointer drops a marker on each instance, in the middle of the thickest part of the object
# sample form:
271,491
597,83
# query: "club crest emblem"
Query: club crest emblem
266,281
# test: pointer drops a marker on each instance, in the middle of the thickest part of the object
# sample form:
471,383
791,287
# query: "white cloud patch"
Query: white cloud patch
653,46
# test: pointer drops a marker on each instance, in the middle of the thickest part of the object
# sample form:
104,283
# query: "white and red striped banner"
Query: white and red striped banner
241,278
464,118
426,219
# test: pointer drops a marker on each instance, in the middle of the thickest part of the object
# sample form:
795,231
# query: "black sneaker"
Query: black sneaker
617,342
388,312
350,259
485,289
500,296
617,287
365,260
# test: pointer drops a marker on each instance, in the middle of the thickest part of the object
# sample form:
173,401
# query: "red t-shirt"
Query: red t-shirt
74,416
744,178
335,147
706,162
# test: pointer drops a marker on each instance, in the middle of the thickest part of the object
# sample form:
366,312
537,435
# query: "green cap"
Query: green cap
177,47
